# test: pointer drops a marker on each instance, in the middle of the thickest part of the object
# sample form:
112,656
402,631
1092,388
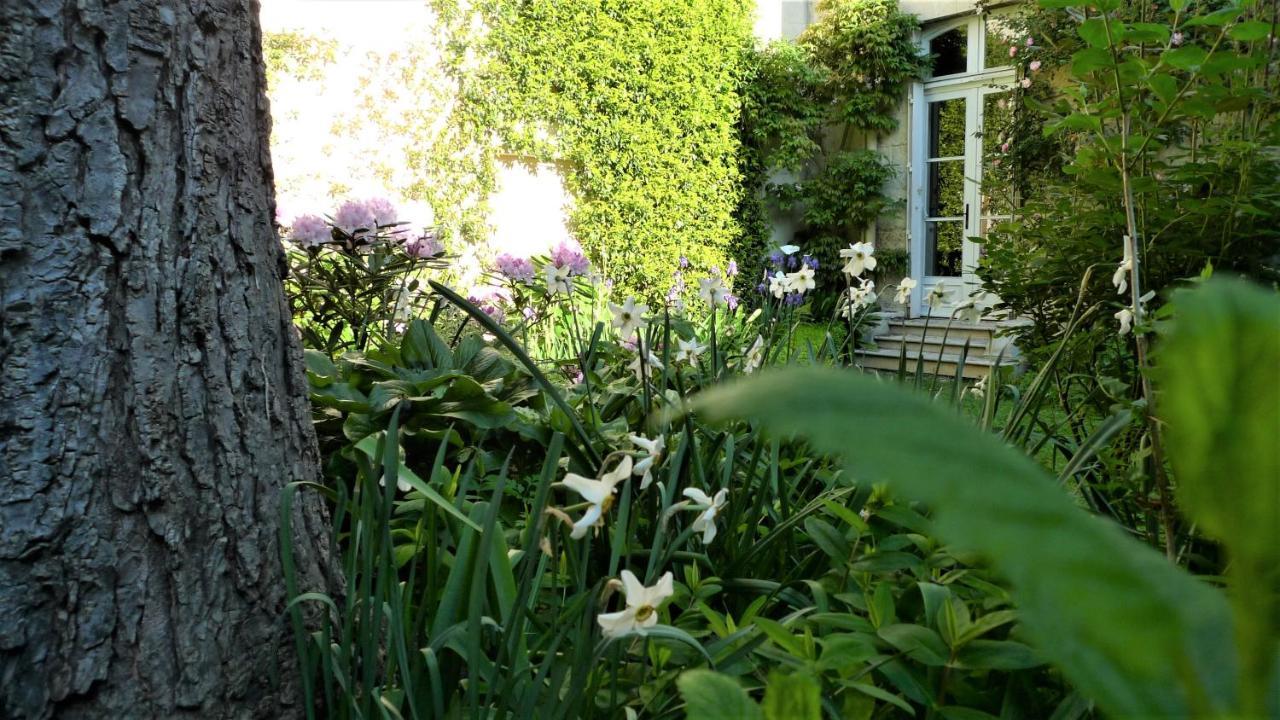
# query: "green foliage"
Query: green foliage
1147,122
1190,117
1223,412
868,53
637,103
807,106
296,55
1135,633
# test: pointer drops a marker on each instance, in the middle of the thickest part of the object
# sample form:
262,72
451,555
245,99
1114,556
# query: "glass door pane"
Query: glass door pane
945,188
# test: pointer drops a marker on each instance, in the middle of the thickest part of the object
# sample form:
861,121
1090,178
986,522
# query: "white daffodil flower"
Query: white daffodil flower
789,249
754,357
558,279
802,281
689,350
979,388
905,287
968,312
861,258
712,291
652,456
649,359
1120,278
937,295
779,285
710,506
859,298
598,493
1125,316
629,317
641,612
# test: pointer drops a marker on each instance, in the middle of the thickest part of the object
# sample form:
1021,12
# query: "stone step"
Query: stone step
944,364
933,343
937,326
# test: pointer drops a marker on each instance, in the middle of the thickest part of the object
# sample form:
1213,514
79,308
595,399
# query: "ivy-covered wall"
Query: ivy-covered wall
638,101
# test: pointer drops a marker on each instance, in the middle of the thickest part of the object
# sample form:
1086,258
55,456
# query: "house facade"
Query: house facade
938,148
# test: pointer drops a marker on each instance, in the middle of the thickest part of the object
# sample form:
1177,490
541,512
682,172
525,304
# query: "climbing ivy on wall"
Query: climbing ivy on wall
668,123
809,106
637,102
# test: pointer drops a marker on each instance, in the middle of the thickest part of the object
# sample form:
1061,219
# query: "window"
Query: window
950,52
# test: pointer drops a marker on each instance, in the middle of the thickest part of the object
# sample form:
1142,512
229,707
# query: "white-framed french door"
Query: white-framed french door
949,151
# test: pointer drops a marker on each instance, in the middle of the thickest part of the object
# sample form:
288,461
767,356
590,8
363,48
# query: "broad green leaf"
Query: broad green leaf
997,655
422,348
710,695
1185,58
780,635
1250,30
1089,60
828,538
1221,402
918,642
956,712
845,650
792,697
1164,86
1217,18
1123,625
1142,32
1094,32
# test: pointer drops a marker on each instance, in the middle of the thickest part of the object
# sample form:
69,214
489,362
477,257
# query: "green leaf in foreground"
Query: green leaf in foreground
1219,372
710,695
1141,637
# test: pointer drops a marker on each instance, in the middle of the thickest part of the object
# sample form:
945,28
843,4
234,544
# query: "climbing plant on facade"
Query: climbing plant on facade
809,109
636,103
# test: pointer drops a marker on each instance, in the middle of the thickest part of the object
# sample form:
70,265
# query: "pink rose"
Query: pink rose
1026,82
1035,66
1013,51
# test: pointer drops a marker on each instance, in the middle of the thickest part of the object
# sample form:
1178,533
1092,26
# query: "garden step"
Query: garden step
933,343
937,326
944,364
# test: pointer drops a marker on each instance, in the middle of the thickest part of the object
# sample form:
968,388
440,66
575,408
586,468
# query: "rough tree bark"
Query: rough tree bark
152,403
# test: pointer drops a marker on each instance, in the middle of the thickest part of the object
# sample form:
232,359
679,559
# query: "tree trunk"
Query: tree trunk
152,403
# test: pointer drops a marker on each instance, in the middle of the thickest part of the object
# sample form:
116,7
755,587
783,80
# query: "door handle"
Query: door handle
966,216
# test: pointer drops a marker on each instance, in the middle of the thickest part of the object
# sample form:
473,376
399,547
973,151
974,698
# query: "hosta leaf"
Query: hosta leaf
1123,625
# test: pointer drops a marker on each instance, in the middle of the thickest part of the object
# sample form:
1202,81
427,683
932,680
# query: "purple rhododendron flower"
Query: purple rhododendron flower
310,230
382,211
353,215
515,269
569,254
425,246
